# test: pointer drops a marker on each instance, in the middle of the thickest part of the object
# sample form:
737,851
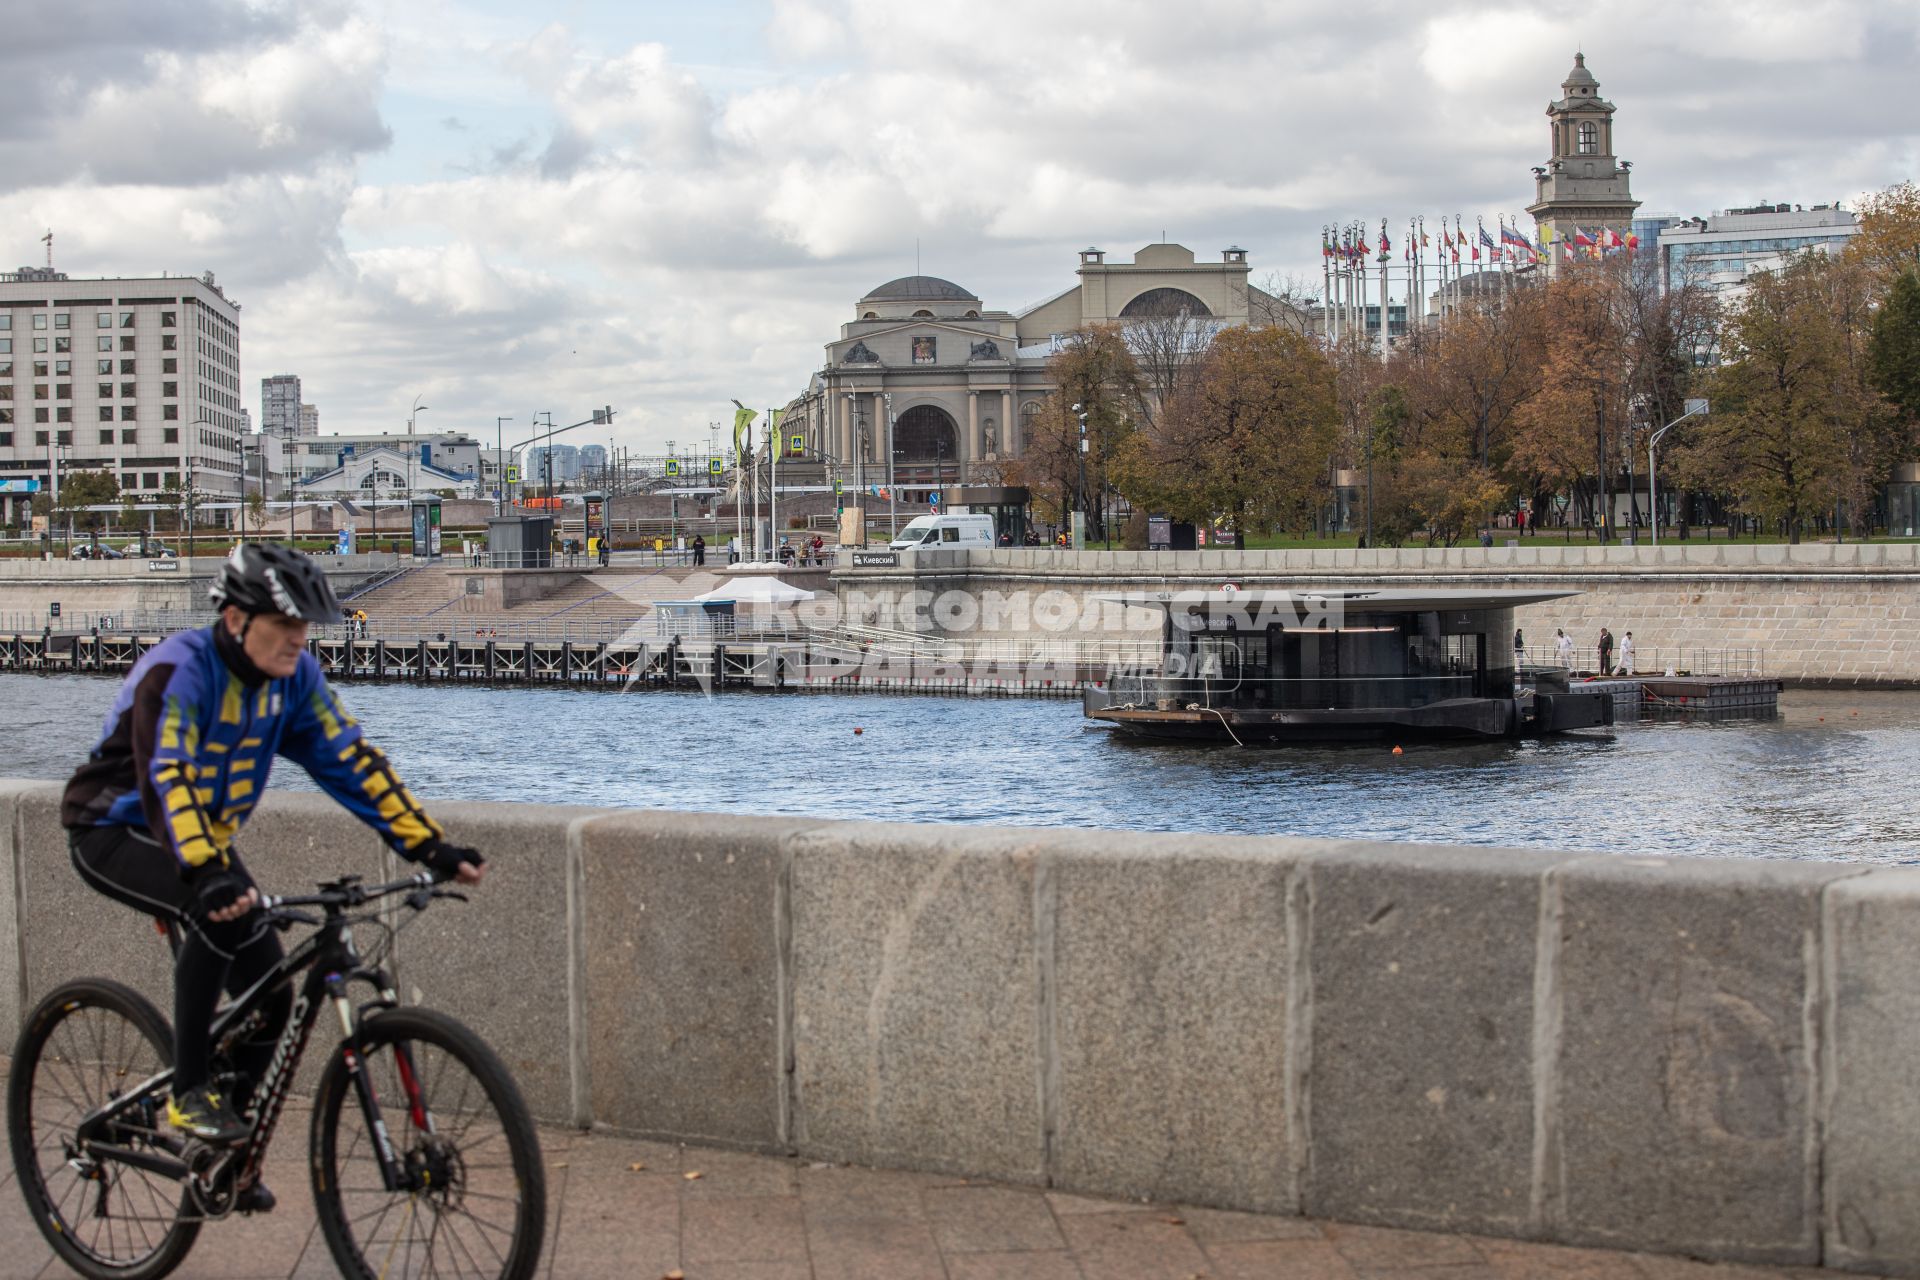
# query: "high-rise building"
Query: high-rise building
309,420
1582,188
592,464
136,375
280,405
565,466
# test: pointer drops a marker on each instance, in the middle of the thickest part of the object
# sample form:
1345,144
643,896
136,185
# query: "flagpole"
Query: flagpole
1326,286
1386,340
773,486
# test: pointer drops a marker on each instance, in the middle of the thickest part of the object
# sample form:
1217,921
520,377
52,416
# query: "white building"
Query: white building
138,375
309,420
305,459
389,470
1719,253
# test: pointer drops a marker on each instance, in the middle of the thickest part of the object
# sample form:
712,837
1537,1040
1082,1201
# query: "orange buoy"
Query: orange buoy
858,731
1397,751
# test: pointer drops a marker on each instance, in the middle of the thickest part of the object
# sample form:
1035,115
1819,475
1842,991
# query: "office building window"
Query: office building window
40,368
6,368
170,364
6,321
103,344
106,437
126,368
63,437
150,480
126,319
106,391
6,437
6,392
166,319
126,342
63,391
64,413
127,412
103,366
63,367
60,320
126,388
103,320
40,437
6,346
42,415
169,478
106,415
39,391
170,412
39,320
39,344
169,342
169,388
127,436
129,479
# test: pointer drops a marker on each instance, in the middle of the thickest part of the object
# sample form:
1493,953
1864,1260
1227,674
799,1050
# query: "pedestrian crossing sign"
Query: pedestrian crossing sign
673,466
513,475
713,466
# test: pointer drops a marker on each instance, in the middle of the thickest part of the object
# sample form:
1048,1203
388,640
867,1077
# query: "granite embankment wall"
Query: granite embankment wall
85,588
1819,613
1702,1056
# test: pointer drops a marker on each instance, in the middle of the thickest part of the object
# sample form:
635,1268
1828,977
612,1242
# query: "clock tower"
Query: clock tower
1582,187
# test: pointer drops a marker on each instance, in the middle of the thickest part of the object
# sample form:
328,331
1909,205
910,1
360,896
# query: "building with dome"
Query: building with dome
961,382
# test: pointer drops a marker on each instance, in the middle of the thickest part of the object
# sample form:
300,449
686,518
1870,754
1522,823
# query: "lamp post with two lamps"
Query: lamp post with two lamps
412,413
1080,534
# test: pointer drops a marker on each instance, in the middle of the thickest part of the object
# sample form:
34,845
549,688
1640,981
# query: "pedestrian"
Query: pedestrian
819,546
1006,539
1626,654
1563,646
733,549
700,549
1606,652
606,551
1519,647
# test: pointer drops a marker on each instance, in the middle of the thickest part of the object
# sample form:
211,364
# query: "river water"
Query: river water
1831,777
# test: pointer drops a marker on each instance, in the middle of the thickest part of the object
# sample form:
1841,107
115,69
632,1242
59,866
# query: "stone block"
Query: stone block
14,792
916,1008
1422,967
1683,1093
1873,1067
683,963
1171,975
499,962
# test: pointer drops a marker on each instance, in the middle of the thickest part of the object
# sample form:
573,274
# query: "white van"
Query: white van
945,533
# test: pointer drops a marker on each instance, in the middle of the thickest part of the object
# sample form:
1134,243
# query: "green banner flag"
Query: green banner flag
742,419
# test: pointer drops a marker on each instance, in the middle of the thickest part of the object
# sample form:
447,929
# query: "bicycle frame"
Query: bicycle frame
330,963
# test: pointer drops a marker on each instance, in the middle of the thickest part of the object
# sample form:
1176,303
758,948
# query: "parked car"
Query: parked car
88,551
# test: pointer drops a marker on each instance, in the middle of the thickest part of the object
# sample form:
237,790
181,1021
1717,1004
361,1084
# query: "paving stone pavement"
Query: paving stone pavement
622,1209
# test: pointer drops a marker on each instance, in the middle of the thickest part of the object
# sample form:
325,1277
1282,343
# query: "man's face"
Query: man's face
273,643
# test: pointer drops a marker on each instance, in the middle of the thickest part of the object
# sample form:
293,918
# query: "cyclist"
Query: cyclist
181,762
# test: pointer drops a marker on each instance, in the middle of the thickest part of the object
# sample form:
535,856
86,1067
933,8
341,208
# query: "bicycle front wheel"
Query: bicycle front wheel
85,1046
472,1196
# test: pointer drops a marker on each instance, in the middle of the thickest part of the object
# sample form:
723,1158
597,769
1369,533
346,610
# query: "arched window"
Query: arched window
1164,302
923,315
1028,413
869,316
1589,136
973,315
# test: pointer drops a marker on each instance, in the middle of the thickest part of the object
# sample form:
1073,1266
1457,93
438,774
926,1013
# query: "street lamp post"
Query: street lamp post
1695,408
1085,505
412,413
893,498
499,465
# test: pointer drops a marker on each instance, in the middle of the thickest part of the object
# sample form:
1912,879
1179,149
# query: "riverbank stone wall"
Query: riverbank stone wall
1819,613
1693,1056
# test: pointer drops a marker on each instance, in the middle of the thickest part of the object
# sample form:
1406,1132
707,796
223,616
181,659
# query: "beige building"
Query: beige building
139,375
959,383
1583,186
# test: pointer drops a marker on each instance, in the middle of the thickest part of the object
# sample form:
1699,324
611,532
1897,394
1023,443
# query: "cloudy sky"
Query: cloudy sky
502,207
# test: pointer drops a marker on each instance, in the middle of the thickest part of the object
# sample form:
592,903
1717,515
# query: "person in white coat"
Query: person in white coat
1563,647
1626,654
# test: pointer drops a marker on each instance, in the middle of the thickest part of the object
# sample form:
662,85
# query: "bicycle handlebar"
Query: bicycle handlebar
349,894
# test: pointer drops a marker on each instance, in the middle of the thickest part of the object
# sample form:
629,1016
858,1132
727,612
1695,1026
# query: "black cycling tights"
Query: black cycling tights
129,866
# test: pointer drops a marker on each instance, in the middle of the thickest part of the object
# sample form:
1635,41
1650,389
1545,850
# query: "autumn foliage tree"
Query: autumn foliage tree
1250,439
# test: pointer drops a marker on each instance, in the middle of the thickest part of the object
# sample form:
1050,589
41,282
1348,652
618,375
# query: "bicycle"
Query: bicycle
460,1189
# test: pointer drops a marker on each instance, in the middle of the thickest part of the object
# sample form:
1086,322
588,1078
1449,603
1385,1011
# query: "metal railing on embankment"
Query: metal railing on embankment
1681,661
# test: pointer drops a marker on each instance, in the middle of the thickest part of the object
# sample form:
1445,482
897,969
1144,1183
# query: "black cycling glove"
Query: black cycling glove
444,859
216,889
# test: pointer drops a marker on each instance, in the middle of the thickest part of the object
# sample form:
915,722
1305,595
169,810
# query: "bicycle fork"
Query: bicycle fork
396,1173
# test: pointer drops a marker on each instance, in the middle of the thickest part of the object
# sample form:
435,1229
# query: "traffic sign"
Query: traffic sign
673,467
714,467
513,475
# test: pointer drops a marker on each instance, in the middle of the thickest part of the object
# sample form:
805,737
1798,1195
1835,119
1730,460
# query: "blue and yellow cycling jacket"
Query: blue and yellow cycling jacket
188,745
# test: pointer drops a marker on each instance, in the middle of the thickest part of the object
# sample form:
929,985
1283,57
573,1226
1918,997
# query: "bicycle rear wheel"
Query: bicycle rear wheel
84,1046
474,1203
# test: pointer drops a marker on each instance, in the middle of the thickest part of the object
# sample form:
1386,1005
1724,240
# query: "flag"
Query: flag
1582,239
1386,246
1633,242
1446,240
1424,242
1485,239
773,433
1326,248
742,422
1546,233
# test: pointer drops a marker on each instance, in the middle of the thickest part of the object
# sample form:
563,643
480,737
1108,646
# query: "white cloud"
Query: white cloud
636,222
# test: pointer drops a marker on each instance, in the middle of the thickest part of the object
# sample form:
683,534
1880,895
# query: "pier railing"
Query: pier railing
1652,661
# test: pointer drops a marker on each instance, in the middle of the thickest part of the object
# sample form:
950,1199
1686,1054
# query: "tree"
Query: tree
1576,422
1096,371
1252,439
1895,348
1793,428
79,489
1888,244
